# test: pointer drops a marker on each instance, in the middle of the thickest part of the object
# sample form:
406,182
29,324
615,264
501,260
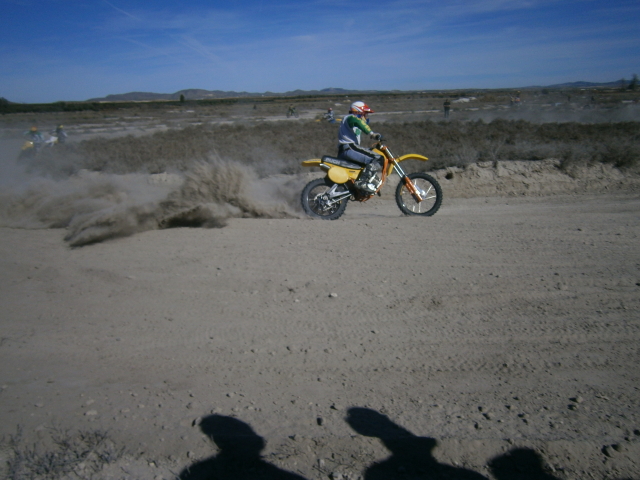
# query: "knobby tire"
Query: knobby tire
310,200
429,205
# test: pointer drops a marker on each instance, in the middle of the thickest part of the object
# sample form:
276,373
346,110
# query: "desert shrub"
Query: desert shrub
574,155
520,140
268,147
278,147
621,155
78,455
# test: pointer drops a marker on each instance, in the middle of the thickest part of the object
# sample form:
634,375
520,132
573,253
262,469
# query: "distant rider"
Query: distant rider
35,136
329,116
353,124
60,133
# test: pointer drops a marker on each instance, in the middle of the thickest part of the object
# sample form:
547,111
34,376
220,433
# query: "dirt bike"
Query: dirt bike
31,148
326,198
325,117
329,117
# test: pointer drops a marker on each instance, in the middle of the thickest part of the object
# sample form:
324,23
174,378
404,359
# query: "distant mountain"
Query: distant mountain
189,94
583,85
199,94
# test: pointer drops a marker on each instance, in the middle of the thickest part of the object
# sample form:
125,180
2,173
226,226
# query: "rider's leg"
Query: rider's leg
358,154
372,164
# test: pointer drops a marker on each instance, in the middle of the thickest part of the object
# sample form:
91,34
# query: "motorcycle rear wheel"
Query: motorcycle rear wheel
431,194
314,195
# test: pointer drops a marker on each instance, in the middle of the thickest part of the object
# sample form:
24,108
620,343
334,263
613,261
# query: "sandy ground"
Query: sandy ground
498,339
497,324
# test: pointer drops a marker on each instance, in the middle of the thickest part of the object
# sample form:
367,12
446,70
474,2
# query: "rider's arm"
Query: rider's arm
363,126
358,123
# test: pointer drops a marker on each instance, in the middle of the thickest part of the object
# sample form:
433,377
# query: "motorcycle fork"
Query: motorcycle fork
403,176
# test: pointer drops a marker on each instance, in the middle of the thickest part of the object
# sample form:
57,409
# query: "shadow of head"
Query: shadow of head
232,435
520,464
370,423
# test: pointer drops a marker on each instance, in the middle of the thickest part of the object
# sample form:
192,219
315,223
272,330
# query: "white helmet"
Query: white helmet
360,107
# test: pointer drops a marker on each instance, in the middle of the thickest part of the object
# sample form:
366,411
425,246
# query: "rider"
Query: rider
349,147
329,116
35,136
60,133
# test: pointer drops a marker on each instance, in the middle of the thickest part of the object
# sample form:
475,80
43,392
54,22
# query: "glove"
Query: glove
375,136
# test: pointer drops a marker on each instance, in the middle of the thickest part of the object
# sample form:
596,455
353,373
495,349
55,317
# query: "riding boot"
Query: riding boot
364,181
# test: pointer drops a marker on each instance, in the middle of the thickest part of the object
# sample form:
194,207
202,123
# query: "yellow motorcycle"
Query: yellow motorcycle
31,148
326,198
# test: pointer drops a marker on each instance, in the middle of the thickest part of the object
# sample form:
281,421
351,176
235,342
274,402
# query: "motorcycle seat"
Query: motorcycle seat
341,163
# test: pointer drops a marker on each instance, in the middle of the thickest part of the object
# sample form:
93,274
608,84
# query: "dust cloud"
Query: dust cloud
95,206
113,183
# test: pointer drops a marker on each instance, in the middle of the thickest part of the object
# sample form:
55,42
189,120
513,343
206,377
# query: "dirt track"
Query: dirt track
499,329
497,339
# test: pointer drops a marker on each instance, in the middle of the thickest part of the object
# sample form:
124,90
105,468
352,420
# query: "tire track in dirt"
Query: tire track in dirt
464,334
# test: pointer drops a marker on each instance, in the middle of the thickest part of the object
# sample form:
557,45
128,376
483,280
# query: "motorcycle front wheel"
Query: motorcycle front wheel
316,201
429,190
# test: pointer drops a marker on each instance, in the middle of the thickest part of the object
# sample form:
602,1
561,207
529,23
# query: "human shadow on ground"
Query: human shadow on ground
520,464
411,457
238,457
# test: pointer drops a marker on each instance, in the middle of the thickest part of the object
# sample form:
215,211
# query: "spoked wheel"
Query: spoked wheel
429,190
324,199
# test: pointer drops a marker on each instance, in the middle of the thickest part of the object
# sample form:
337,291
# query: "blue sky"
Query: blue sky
57,50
